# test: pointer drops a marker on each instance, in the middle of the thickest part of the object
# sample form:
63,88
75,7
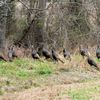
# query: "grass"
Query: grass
84,93
24,68
98,60
25,73
22,72
44,70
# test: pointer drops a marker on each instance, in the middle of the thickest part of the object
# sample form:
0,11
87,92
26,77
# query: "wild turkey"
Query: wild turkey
83,51
46,53
11,53
39,49
66,54
35,55
98,52
55,56
91,62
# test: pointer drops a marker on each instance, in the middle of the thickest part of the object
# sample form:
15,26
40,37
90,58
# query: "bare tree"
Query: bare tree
58,23
3,15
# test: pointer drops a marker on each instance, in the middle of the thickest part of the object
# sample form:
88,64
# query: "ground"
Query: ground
75,91
28,79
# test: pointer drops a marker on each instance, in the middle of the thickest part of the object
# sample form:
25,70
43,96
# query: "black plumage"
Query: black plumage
83,51
55,56
98,52
46,53
66,54
91,62
35,55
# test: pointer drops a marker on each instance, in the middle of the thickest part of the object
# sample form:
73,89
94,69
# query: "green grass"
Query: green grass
24,68
24,73
44,70
84,93
98,60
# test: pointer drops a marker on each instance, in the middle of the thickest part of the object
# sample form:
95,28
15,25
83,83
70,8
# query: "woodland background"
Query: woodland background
55,23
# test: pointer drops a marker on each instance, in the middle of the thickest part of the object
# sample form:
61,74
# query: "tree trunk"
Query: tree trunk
3,14
39,31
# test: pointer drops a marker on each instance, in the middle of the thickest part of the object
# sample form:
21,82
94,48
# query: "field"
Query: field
28,79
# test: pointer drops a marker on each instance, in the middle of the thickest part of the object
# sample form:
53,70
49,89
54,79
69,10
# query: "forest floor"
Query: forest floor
26,79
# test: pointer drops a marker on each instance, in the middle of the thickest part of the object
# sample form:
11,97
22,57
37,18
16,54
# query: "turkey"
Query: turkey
83,51
46,53
11,53
55,56
66,54
35,55
14,55
91,62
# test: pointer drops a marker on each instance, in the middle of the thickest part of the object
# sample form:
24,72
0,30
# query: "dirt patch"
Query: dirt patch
47,93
